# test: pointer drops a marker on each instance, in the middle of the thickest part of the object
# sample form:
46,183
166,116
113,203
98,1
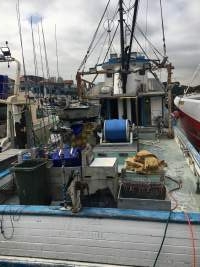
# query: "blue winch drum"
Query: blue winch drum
116,130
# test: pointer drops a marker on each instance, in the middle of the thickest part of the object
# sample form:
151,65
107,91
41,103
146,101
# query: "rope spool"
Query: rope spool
116,130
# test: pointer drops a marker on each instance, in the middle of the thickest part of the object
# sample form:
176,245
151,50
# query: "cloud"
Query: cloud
77,20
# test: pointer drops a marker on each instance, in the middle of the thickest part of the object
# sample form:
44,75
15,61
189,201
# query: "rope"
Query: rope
163,30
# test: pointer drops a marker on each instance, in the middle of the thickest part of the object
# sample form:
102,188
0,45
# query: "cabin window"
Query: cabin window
109,74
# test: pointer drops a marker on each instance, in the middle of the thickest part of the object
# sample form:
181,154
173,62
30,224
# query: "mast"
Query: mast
131,38
121,22
58,74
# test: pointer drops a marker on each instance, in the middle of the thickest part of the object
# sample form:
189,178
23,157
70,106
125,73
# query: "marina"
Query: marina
107,177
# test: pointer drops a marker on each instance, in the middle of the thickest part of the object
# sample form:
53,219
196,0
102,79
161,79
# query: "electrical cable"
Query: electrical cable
192,239
163,239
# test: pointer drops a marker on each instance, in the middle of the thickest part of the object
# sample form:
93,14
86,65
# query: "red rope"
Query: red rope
192,239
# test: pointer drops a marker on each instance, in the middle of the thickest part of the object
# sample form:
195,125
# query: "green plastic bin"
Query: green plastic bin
31,181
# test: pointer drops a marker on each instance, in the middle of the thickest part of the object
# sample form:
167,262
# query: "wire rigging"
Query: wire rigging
34,51
21,41
45,50
107,50
163,29
94,36
146,26
132,34
58,74
41,57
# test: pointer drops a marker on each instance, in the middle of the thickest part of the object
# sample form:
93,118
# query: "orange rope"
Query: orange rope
192,239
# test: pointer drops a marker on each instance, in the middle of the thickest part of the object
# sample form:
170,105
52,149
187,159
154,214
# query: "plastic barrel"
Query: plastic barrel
116,130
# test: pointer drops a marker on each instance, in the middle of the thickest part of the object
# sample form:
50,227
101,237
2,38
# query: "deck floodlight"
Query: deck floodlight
5,51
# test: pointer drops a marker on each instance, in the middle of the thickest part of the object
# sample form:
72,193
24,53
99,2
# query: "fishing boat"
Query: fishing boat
15,106
189,106
73,110
130,200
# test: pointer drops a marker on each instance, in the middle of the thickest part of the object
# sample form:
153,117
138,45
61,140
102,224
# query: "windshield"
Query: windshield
3,120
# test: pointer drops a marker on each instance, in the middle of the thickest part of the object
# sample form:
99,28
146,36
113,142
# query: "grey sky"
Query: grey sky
77,20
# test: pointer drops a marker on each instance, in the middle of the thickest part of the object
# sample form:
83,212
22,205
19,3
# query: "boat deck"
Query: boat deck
179,167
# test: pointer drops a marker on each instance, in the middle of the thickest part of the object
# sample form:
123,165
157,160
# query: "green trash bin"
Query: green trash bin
31,181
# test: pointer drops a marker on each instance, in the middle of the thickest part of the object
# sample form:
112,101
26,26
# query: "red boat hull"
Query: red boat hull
191,128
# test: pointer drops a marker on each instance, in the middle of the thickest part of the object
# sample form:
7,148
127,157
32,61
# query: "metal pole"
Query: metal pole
29,132
169,92
121,22
137,122
11,122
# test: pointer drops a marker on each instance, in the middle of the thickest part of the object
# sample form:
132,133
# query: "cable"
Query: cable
2,227
192,238
163,239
